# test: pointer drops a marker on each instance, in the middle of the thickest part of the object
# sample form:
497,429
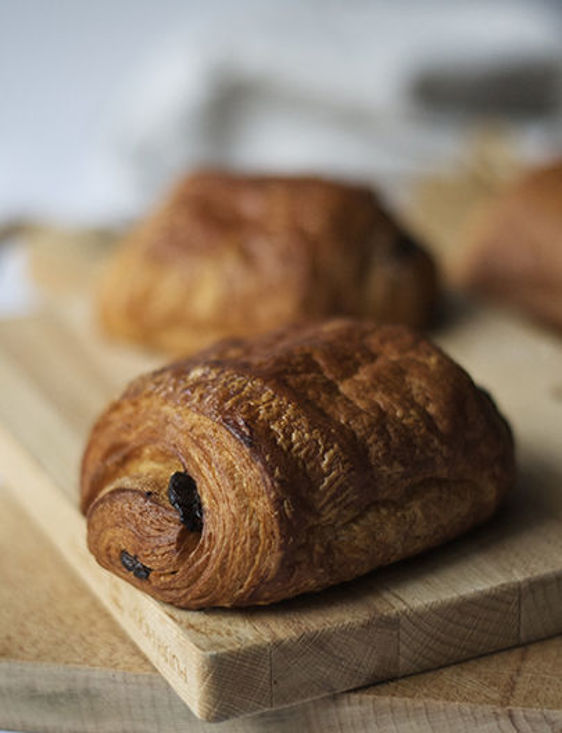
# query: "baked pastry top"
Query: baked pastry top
259,470
516,251
233,255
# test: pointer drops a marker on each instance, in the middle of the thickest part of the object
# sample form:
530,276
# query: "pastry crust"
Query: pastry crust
260,470
516,251
232,255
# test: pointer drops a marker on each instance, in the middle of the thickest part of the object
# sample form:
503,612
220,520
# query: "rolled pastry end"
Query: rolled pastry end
156,521
146,535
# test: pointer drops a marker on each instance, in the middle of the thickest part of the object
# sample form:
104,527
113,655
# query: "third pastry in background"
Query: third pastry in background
236,255
515,254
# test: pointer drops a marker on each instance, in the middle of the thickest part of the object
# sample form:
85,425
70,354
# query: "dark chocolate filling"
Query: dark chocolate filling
404,245
183,496
133,565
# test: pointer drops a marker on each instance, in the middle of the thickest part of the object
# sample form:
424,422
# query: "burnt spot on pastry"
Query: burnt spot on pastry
183,496
133,565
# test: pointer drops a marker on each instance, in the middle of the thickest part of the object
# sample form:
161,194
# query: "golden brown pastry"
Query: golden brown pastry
232,255
259,470
516,252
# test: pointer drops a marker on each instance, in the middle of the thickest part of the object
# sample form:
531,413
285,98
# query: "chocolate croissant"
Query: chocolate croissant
235,256
516,251
263,469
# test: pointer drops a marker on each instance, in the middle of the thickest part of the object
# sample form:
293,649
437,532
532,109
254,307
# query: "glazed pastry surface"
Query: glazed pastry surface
516,256
259,470
231,255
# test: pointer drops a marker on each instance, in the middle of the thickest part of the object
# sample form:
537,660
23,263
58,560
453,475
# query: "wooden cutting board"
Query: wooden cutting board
499,586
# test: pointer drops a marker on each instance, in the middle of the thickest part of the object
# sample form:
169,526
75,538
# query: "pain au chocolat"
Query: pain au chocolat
235,255
262,469
515,254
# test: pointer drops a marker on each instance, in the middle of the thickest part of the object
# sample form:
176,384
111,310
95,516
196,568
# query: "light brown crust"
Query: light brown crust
516,251
319,453
232,255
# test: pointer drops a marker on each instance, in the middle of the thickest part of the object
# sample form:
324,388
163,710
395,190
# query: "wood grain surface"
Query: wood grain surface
66,667
498,587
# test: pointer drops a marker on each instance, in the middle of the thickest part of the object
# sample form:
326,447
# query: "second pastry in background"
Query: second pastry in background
236,255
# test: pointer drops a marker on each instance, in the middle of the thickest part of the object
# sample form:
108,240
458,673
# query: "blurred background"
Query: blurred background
103,104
